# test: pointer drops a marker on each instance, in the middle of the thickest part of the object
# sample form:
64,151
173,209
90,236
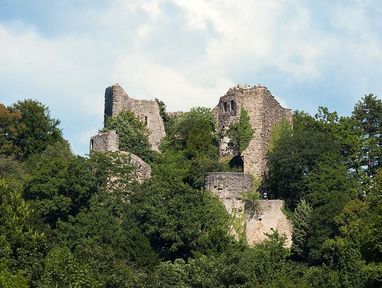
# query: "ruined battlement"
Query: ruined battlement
264,112
268,215
117,100
108,142
263,109
268,218
104,141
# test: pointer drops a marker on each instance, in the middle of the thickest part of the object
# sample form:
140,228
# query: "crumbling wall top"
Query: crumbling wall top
104,141
229,187
264,112
117,100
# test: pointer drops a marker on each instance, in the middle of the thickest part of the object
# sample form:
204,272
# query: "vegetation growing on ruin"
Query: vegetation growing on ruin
62,227
241,132
133,135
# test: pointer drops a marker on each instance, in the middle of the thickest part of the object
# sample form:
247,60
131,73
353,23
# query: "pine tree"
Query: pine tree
301,223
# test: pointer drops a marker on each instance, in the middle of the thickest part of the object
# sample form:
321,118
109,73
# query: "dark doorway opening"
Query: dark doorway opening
236,164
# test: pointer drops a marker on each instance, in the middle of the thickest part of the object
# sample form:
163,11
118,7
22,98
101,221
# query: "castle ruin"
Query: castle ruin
117,100
264,112
231,189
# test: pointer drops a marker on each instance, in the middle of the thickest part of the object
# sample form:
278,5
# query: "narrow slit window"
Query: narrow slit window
233,105
225,106
91,144
146,120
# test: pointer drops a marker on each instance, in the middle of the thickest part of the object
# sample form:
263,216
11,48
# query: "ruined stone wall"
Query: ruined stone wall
117,100
266,115
268,218
229,187
142,170
175,114
263,110
268,215
104,141
108,142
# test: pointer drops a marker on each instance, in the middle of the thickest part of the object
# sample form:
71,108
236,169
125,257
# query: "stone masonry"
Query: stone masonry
230,188
268,218
117,100
104,141
108,142
264,111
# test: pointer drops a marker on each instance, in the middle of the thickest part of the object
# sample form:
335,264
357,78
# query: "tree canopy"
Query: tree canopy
71,221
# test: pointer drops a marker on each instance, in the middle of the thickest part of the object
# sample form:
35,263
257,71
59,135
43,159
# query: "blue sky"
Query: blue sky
186,53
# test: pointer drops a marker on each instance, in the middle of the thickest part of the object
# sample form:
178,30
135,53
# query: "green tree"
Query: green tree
241,132
107,240
8,131
63,270
329,189
132,134
59,185
279,131
35,129
301,225
9,280
194,143
356,251
163,113
346,259
293,158
368,116
169,274
195,132
21,246
237,266
322,277
179,220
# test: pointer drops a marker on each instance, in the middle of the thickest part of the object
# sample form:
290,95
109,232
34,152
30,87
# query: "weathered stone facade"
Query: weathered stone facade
142,170
264,111
108,142
268,218
117,100
230,188
104,141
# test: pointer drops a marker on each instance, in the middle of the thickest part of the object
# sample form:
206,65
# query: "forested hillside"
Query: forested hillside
72,221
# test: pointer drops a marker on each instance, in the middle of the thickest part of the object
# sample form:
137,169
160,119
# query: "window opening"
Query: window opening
233,105
225,105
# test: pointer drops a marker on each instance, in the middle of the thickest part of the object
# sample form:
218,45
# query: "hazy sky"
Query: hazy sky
186,53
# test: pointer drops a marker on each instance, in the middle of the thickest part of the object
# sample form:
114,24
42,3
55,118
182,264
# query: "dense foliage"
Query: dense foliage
70,221
132,134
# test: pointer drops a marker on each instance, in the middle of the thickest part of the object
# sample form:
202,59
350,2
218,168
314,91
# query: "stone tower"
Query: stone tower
264,111
117,100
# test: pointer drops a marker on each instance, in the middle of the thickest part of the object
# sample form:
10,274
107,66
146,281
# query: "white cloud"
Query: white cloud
151,80
266,32
187,53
